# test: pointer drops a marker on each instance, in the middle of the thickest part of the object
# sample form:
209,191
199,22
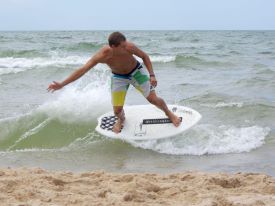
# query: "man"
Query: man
118,55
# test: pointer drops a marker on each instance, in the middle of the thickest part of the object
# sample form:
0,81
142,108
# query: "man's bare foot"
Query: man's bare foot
117,126
174,118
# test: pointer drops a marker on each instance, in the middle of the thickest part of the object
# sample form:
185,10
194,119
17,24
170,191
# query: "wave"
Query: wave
87,46
265,52
54,124
209,139
263,70
229,107
256,105
79,47
63,37
258,81
208,97
21,53
229,104
234,52
10,65
163,59
186,60
194,40
174,38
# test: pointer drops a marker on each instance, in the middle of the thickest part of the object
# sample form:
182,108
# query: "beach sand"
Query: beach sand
35,186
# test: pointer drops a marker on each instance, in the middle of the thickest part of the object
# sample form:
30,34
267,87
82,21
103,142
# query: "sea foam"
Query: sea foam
208,139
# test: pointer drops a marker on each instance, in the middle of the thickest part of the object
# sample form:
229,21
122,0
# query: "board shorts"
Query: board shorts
120,83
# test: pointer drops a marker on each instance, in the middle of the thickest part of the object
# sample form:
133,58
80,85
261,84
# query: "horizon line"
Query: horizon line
42,30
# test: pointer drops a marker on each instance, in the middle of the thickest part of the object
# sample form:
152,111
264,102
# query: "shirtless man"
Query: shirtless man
118,55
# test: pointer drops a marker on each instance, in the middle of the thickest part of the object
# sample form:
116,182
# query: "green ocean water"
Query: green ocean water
228,76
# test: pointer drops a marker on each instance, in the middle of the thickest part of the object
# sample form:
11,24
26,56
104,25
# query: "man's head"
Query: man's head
116,39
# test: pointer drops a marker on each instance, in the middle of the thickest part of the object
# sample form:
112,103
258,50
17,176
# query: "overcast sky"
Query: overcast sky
137,15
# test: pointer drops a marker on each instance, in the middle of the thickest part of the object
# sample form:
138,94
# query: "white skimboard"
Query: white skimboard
147,122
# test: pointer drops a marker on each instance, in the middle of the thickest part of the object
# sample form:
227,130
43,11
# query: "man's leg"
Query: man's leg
119,88
119,112
159,102
141,82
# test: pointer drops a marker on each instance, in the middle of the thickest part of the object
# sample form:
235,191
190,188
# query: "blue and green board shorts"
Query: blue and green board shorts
121,82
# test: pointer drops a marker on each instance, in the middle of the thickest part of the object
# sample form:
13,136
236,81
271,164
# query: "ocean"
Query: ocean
227,76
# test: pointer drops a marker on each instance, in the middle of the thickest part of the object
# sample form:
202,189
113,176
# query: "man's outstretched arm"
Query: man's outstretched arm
76,74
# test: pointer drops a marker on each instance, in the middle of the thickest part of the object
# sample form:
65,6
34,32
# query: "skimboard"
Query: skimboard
147,122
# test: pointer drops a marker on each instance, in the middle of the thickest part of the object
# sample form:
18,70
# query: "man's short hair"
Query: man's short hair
115,38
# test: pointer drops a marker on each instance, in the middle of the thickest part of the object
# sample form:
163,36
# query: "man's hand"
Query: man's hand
153,81
54,86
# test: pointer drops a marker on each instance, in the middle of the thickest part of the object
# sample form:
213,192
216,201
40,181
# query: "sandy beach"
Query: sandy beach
36,186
